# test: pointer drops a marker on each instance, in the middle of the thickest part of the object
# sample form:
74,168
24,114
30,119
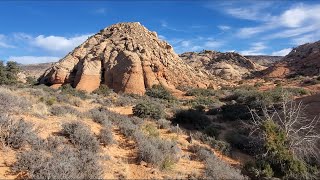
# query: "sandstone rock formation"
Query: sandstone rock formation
302,60
264,60
128,58
228,66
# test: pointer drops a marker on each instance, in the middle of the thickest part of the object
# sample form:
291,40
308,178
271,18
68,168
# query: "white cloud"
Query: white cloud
248,10
185,43
307,38
33,59
212,44
282,52
3,42
101,11
58,44
161,37
295,21
224,27
255,49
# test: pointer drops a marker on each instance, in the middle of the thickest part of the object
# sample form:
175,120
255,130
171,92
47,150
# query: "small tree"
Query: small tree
289,138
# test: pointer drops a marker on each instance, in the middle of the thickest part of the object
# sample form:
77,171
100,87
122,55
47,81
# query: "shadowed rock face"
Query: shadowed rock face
128,58
302,60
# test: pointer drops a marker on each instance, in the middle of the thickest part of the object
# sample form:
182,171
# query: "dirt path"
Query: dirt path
123,160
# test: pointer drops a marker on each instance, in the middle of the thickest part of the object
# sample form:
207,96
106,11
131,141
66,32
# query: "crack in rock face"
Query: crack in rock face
126,57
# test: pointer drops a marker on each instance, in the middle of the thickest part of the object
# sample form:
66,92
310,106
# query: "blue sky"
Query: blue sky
44,31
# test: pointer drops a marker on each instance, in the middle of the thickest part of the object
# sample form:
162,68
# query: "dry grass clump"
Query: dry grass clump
11,103
16,133
56,158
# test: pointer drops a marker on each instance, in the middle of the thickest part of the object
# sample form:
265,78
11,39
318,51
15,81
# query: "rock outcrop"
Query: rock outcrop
302,60
264,60
228,66
128,58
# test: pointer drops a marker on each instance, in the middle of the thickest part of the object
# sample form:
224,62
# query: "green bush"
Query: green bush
148,110
158,91
235,112
258,170
9,73
151,130
103,90
258,84
192,118
203,101
213,130
68,89
201,92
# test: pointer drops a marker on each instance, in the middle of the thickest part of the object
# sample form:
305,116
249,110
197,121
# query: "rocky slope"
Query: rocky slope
228,66
128,58
264,60
302,60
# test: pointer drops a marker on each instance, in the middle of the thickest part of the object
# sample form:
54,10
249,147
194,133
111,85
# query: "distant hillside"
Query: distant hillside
264,60
228,66
302,60
35,70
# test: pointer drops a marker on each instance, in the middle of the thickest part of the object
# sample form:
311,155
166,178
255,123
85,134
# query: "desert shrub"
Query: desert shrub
278,82
16,133
158,91
296,91
48,100
258,84
200,92
158,152
126,126
193,118
103,90
203,102
31,80
10,103
219,145
68,89
124,100
244,143
201,153
80,135
99,115
235,112
105,136
151,130
163,123
40,109
57,159
147,109
258,170
214,167
137,121
217,169
75,101
213,130
64,110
